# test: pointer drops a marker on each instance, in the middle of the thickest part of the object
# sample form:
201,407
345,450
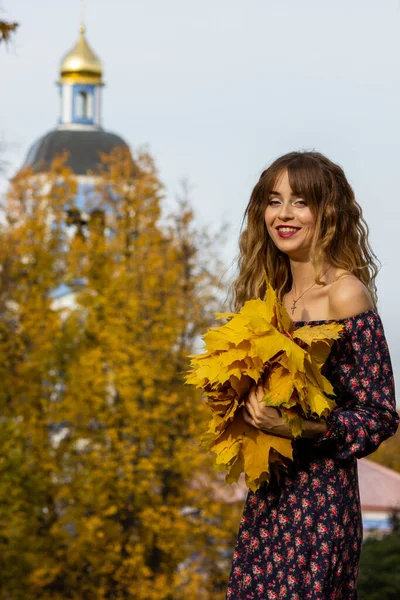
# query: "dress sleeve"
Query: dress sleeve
363,382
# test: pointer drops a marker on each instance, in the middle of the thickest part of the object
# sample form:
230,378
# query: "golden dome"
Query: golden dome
81,64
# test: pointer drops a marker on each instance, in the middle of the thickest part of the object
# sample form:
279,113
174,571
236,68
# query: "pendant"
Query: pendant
293,306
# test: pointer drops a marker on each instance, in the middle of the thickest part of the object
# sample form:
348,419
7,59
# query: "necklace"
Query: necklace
295,301
293,307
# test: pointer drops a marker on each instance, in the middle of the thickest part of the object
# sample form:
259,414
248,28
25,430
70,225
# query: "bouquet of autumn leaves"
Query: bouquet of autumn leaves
261,342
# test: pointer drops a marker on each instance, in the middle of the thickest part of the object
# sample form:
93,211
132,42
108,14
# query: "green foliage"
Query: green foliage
379,577
102,487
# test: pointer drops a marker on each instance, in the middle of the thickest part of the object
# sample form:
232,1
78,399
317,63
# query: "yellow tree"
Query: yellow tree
31,262
388,454
101,436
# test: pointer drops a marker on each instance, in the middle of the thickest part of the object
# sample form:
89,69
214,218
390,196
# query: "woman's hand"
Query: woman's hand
263,417
269,419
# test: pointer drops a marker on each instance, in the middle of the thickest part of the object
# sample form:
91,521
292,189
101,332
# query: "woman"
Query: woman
301,538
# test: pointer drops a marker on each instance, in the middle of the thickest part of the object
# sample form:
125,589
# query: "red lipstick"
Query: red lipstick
287,234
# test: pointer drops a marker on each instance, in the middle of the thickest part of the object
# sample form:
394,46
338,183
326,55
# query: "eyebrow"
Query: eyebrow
279,194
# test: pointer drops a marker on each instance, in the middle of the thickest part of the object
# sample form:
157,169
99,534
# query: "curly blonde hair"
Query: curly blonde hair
340,237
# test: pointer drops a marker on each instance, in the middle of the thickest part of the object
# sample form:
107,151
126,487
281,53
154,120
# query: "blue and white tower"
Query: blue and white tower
78,132
79,129
80,86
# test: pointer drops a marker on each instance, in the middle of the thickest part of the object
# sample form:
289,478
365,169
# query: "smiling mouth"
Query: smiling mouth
288,229
286,232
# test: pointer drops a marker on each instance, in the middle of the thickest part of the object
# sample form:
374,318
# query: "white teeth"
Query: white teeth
287,229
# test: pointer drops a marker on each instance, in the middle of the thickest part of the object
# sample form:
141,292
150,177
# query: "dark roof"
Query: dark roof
83,147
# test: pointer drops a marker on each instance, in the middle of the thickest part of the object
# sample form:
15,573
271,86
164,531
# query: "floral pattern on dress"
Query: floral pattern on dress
300,538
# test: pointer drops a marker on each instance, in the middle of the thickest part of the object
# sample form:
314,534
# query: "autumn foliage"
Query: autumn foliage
388,453
102,492
6,30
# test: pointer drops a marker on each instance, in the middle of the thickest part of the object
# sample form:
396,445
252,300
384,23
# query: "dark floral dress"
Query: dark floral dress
301,539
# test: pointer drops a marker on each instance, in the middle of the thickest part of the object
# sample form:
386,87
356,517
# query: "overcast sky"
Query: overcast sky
219,88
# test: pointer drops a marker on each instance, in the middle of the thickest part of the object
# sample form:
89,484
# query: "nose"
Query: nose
286,211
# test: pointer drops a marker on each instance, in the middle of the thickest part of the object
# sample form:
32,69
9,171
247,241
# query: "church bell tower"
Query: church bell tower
80,86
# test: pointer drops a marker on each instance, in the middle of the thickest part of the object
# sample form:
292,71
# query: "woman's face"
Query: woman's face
290,222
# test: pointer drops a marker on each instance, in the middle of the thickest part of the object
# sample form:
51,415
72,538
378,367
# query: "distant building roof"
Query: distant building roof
379,487
84,147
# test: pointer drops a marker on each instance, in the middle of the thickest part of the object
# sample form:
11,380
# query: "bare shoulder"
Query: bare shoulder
348,297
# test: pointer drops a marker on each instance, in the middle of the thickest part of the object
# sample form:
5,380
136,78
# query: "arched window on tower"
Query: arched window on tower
84,105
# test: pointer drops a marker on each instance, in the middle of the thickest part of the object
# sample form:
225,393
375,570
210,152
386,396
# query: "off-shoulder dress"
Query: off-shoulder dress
301,539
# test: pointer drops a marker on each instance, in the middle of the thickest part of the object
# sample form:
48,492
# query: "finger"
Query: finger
251,406
247,417
260,391
254,402
252,397
252,390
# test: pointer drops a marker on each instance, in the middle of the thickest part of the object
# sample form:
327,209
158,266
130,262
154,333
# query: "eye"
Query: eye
273,202
301,202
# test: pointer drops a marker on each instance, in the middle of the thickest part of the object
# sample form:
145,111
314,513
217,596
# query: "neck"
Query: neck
303,275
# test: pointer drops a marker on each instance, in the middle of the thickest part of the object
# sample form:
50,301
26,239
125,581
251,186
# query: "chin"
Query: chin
295,252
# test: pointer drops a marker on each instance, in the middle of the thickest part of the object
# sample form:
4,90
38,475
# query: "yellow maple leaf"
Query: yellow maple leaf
243,448
292,418
278,387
